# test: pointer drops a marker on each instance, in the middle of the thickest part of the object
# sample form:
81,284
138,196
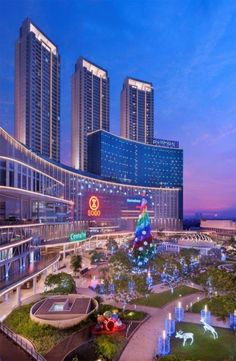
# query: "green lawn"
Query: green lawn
43,337
161,299
205,348
220,306
127,315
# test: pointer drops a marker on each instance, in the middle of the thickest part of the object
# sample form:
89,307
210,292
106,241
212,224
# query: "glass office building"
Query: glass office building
37,92
121,160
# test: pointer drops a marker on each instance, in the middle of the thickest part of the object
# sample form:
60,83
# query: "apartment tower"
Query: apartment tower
37,92
90,107
137,110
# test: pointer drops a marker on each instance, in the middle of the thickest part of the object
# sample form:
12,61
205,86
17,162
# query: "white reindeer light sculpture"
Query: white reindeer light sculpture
185,336
209,328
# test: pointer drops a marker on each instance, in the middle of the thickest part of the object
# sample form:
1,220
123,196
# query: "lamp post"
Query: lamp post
179,312
169,325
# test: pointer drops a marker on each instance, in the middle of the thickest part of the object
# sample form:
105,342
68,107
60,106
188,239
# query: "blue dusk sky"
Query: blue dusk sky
187,48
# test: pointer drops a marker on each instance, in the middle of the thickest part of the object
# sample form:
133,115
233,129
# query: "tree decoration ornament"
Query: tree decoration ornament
142,248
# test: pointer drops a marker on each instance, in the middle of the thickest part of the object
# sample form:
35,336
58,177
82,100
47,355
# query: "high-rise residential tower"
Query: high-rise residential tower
90,107
37,92
137,110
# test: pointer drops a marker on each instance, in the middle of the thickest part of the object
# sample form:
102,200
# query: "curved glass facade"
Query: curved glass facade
65,194
125,161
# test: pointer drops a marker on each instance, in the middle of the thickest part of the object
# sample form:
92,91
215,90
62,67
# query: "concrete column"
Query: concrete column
6,297
45,273
18,296
64,254
34,285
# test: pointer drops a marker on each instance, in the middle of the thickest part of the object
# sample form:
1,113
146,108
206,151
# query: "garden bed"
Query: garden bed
43,337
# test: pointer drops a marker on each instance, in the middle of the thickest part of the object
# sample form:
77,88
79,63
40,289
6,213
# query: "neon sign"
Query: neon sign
78,236
94,210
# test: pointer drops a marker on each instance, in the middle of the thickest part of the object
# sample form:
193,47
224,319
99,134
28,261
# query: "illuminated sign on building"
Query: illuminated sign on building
94,210
165,143
133,200
78,236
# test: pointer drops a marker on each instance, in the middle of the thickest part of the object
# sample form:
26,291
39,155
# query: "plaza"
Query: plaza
117,191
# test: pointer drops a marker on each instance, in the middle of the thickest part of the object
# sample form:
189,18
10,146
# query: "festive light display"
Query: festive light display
169,325
209,328
185,336
108,323
232,320
149,279
206,315
142,249
163,344
179,312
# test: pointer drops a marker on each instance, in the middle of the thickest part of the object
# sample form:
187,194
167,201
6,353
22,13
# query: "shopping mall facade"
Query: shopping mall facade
45,201
35,189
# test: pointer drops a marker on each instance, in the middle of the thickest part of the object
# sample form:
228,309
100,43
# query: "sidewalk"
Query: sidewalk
148,333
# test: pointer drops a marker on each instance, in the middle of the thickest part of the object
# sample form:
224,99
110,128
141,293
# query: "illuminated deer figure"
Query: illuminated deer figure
208,327
185,336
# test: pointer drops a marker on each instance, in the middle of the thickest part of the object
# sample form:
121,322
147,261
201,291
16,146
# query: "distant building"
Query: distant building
137,110
220,226
90,107
37,92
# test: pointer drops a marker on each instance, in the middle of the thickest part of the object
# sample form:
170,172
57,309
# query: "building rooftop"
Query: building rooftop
92,67
140,84
29,26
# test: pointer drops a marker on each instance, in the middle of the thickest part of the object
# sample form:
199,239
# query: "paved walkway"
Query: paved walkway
143,344
73,341
9,351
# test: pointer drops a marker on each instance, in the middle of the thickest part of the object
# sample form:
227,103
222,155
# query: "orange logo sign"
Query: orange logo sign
94,207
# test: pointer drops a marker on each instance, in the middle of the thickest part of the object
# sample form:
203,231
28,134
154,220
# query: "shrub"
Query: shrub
60,283
108,346
220,306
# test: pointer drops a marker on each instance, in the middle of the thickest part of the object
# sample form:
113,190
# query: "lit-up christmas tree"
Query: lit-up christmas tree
142,248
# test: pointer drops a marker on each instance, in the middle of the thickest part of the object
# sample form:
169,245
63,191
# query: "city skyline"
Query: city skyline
208,144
